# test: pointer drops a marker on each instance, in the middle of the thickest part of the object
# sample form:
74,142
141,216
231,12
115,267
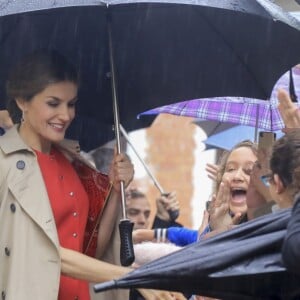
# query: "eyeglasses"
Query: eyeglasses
266,179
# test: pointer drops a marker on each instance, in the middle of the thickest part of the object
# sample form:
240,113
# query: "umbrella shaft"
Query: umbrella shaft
116,112
156,183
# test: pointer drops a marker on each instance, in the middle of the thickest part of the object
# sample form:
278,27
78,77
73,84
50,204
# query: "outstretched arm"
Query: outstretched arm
80,266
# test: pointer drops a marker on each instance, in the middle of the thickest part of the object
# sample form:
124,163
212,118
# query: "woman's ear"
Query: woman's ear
279,186
21,103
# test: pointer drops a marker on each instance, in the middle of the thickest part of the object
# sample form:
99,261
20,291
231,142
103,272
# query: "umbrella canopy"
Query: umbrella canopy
92,133
242,263
228,138
212,127
164,51
237,110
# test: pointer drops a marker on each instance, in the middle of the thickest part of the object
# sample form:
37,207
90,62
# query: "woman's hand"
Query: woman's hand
160,295
288,110
212,171
165,203
5,120
220,218
121,170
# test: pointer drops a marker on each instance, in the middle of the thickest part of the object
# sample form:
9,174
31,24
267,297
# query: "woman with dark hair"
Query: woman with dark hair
290,148
50,199
283,180
284,185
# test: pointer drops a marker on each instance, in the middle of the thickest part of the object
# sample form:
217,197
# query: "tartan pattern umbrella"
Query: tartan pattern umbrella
239,110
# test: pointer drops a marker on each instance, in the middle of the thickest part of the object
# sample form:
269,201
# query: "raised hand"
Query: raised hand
257,193
165,203
288,110
212,171
220,217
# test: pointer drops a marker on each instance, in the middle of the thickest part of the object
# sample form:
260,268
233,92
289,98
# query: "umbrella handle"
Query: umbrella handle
126,249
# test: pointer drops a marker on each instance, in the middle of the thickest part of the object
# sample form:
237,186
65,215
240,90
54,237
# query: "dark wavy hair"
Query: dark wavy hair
285,160
33,74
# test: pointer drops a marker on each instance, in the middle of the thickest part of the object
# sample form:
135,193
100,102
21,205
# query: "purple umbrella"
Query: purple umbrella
239,110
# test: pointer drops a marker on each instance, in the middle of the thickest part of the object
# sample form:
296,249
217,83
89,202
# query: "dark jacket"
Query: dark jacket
159,223
291,248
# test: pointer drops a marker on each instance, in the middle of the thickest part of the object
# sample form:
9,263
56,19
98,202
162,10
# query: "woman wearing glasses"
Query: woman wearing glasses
291,116
290,249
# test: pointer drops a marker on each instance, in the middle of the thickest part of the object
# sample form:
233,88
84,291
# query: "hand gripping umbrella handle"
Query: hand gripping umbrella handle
126,249
173,214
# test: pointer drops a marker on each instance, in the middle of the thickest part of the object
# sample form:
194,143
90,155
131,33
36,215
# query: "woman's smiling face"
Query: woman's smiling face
48,114
237,173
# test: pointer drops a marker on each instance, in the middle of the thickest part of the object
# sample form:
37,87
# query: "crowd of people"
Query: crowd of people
51,198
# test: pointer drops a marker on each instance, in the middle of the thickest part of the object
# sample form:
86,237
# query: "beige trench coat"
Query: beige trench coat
26,219
26,271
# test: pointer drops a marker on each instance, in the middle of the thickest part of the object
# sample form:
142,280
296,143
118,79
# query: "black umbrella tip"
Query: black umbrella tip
108,285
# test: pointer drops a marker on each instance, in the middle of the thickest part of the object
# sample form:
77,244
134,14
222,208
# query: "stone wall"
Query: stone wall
170,148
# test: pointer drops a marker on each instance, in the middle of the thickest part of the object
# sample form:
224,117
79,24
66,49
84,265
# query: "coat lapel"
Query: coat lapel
25,182
34,201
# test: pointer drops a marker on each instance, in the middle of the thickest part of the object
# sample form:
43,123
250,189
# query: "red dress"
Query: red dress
70,205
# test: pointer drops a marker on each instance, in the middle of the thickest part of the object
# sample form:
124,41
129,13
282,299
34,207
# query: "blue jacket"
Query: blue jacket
182,236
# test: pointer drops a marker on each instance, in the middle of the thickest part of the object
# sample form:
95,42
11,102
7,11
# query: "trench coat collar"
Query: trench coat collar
36,204
12,142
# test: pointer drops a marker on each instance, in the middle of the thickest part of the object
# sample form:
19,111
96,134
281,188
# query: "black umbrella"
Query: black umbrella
93,133
163,51
242,263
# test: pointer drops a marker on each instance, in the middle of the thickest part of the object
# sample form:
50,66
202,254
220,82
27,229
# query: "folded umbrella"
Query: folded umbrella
242,263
